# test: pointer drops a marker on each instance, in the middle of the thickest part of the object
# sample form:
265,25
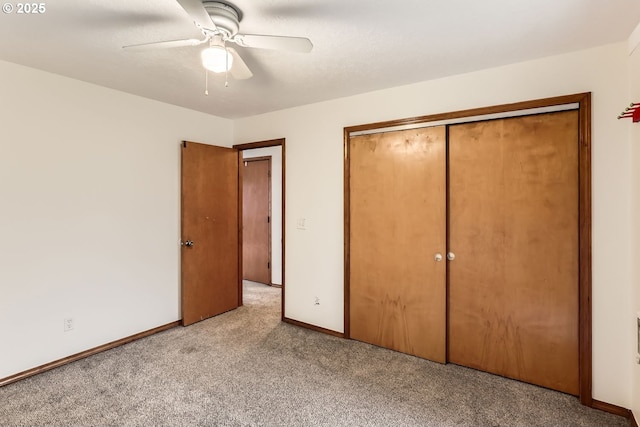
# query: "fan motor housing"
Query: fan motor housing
224,15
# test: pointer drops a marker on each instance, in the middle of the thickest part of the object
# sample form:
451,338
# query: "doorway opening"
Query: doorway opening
263,206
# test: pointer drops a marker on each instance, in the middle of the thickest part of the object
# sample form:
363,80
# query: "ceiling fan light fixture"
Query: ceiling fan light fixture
217,59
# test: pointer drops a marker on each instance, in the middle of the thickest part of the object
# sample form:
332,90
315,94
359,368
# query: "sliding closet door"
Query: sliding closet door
397,226
513,285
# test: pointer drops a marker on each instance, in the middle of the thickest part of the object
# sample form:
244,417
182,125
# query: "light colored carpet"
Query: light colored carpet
246,368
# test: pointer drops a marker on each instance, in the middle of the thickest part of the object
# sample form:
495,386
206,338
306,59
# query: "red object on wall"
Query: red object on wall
632,111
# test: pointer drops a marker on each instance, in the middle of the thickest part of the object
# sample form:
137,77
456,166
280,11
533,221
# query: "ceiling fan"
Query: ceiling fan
219,23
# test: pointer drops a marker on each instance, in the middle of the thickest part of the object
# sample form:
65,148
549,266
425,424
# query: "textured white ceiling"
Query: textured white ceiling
359,45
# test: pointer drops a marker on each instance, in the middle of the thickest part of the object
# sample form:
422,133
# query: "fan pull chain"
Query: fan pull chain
226,66
206,82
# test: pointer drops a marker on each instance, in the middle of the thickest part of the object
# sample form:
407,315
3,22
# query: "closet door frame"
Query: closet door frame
583,101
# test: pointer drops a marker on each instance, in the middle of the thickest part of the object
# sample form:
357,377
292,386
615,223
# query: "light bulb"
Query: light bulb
216,59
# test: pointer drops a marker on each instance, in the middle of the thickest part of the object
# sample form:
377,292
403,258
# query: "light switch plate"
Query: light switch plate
301,224
638,323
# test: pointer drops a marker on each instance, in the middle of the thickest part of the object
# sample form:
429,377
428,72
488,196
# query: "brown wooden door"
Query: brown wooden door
397,225
210,219
256,220
513,285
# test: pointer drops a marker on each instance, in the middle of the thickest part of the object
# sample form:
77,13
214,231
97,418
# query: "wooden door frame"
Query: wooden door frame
257,159
265,144
584,216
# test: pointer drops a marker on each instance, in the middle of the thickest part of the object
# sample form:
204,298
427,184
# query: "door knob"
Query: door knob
188,243
451,256
438,257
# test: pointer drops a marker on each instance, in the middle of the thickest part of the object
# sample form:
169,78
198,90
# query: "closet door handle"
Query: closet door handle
451,256
438,257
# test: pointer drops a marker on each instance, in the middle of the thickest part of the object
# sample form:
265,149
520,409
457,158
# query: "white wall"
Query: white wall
314,185
634,96
89,213
276,206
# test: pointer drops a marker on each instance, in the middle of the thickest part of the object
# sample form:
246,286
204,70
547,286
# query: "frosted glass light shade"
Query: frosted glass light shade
216,59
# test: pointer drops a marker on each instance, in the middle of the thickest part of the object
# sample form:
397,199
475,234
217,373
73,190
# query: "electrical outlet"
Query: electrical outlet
317,301
68,324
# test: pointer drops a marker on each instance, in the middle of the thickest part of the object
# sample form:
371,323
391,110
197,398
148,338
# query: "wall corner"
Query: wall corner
634,39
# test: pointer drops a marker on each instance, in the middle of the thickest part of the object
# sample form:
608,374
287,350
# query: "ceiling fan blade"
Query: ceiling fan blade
198,13
163,45
239,69
292,44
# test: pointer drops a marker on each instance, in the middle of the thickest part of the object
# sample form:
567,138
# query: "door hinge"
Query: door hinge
268,265
268,219
184,144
